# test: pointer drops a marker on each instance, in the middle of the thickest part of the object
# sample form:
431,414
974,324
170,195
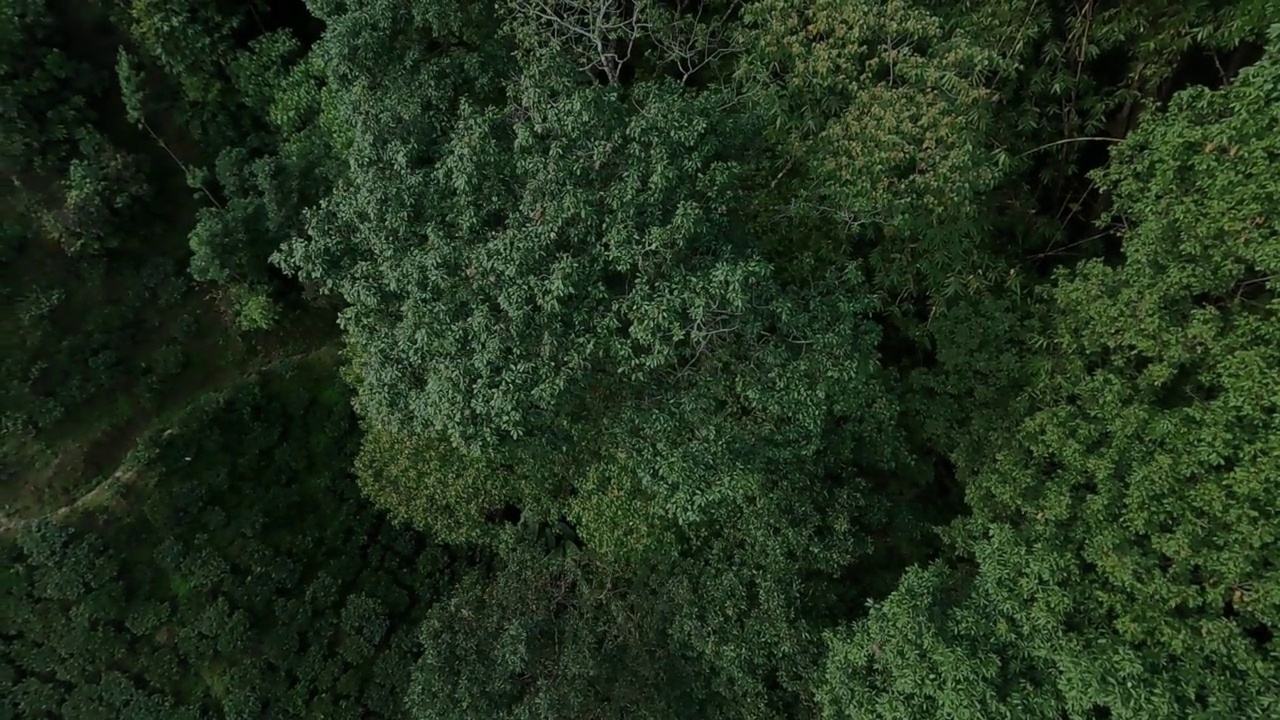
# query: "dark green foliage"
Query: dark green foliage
79,331
96,196
544,636
238,588
1123,533
217,69
718,359
44,90
600,305
890,135
96,306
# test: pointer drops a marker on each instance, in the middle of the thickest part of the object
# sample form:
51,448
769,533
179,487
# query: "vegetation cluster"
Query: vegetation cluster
726,359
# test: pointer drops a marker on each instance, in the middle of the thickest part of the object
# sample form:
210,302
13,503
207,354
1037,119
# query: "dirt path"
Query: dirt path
125,472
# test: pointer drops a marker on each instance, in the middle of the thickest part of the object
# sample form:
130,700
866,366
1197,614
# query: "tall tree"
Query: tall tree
573,284
1120,555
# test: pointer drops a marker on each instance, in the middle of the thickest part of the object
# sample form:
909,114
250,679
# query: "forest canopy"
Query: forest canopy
729,359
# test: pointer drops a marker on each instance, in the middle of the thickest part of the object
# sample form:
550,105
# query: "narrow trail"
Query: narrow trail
126,473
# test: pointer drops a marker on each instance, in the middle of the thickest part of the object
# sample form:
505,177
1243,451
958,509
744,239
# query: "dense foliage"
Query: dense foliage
693,358
237,570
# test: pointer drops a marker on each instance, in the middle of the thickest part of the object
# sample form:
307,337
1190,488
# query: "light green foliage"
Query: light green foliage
929,651
560,309
259,73
426,482
254,308
888,129
132,87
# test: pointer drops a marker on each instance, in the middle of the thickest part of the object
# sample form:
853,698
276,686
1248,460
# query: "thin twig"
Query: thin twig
1071,140
181,164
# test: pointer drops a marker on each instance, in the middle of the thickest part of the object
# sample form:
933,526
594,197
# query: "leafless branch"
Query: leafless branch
602,32
692,43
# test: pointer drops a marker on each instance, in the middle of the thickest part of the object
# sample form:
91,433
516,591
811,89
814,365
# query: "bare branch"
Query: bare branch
602,32
693,44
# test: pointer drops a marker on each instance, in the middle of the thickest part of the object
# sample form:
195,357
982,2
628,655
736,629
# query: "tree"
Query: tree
608,38
99,191
579,292
249,580
889,133
548,637
1119,555
44,91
